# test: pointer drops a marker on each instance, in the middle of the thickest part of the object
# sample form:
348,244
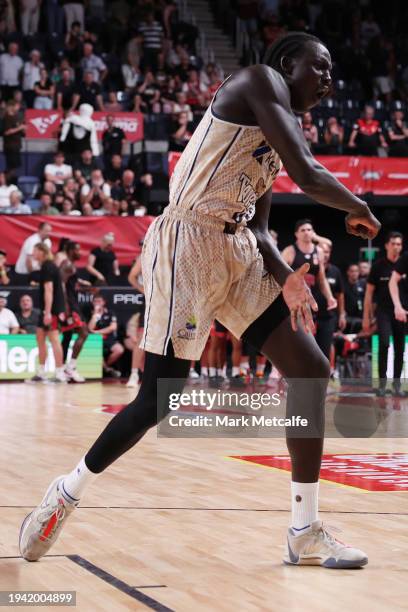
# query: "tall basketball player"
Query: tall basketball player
204,259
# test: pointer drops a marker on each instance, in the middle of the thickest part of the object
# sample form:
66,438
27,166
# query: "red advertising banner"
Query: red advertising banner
88,231
46,124
379,175
377,472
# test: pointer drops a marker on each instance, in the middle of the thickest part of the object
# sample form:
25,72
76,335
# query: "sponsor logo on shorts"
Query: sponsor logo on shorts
189,331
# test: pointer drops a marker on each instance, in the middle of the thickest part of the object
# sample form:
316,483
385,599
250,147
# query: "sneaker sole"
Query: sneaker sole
330,563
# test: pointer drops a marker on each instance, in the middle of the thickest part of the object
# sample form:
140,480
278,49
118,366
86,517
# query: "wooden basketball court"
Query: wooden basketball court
176,524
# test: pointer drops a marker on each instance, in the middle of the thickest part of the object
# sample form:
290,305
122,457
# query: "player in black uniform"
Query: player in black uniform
387,324
354,289
73,323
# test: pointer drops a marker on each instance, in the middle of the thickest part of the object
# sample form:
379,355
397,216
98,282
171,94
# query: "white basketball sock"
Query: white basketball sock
212,371
75,483
305,501
235,370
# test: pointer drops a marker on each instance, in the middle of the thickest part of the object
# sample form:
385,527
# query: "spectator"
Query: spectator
207,76
12,137
96,192
112,140
11,66
29,317
110,207
113,172
309,130
181,133
29,16
65,91
4,277
181,106
71,191
74,40
88,92
104,323
333,137
46,207
113,106
102,262
148,94
152,33
5,191
398,135
50,188
367,135
8,321
364,269
25,262
86,166
58,172
16,206
68,208
93,64
354,289
78,134
74,13
44,92
52,307
132,75
129,192
31,75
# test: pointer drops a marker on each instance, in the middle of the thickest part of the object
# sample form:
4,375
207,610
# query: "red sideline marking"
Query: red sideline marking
377,472
113,408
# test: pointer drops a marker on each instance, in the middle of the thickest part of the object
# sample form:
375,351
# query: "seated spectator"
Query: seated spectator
132,75
16,206
398,135
46,207
86,166
58,172
112,140
29,317
367,135
4,277
71,191
31,75
181,133
208,75
181,106
110,207
68,208
49,188
193,89
102,262
333,137
113,106
25,261
114,170
5,191
8,321
309,130
96,191
88,92
132,194
354,289
65,91
104,322
44,91
148,95
93,64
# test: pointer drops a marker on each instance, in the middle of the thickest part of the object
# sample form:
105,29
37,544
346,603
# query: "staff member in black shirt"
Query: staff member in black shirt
112,140
52,307
102,262
354,289
387,324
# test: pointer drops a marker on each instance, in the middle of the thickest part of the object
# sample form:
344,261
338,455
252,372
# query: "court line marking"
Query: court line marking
188,509
133,592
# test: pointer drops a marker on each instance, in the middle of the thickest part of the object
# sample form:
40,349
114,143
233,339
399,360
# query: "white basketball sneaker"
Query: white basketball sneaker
73,375
41,528
133,381
318,547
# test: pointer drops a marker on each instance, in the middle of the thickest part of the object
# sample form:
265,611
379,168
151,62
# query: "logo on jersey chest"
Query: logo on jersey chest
267,158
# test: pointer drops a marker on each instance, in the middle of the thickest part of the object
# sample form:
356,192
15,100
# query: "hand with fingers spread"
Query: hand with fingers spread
299,299
362,223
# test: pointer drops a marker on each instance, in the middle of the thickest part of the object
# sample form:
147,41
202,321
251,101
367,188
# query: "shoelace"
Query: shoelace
329,537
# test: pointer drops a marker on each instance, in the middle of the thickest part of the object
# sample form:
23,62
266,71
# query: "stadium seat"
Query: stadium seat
33,204
28,186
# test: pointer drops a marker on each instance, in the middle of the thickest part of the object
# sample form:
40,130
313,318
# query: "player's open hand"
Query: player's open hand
400,314
299,299
362,223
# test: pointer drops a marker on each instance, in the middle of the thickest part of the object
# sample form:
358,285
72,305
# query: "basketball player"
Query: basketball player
73,323
205,258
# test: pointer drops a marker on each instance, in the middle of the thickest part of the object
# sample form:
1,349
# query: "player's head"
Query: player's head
364,268
393,244
305,64
326,248
353,273
44,230
73,250
304,230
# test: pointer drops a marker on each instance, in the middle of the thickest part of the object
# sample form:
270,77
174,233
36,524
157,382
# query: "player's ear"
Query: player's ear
287,65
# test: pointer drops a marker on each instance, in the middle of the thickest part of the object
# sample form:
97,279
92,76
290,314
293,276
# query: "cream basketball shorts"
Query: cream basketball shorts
195,272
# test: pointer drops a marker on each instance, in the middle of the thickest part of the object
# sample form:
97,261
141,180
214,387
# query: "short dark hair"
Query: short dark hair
302,222
70,245
290,45
392,235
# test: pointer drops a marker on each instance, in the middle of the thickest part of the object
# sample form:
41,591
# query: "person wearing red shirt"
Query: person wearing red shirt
367,135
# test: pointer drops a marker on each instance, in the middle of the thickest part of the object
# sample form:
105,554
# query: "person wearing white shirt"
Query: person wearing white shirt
93,63
11,66
25,262
5,191
8,320
16,206
31,75
58,172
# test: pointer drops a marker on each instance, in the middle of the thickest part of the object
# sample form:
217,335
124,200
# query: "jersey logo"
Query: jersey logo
269,162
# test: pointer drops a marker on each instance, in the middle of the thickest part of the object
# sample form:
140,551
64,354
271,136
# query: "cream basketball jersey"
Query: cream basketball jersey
224,170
